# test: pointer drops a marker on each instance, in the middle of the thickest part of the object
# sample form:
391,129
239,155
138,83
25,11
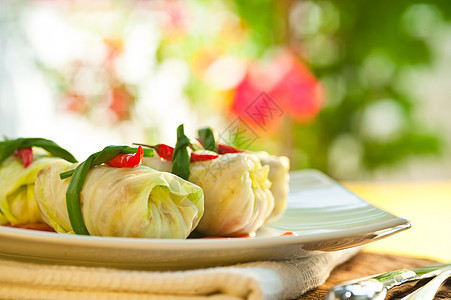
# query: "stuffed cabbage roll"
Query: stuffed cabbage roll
236,189
17,190
129,202
279,168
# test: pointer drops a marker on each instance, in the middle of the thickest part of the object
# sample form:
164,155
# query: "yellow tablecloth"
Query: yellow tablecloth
426,204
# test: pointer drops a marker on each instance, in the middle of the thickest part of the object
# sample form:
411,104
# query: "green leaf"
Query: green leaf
208,139
180,158
78,179
7,148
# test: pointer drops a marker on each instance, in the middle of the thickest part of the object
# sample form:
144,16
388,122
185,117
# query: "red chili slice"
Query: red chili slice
223,149
127,160
166,152
26,155
202,157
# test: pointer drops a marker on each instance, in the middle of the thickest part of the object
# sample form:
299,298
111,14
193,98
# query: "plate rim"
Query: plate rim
193,244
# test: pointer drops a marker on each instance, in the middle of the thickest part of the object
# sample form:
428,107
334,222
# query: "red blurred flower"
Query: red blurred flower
75,103
175,18
115,47
177,12
121,102
283,87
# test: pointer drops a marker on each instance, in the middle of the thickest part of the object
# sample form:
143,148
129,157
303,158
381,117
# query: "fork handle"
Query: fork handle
428,291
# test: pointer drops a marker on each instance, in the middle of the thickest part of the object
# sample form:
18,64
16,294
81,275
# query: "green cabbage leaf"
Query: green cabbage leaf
127,202
17,190
237,192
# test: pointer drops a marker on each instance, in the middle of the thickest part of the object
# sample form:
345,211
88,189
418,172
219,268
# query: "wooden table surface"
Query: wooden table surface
368,263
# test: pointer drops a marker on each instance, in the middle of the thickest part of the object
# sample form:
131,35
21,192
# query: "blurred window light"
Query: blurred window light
225,73
421,20
89,81
382,120
345,156
308,18
330,17
322,50
54,40
336,89
377,69
305,18
141,43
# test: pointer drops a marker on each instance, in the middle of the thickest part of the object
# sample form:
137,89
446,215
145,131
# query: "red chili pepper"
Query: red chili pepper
127,160
202,157
26,155
166,152
223,149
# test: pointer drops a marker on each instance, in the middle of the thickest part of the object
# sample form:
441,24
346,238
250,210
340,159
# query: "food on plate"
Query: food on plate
200,185
279,168
111,194
237,195
236,185
20,161
236,189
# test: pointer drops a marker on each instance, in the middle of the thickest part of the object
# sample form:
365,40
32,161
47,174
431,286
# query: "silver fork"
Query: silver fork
428,291
376,287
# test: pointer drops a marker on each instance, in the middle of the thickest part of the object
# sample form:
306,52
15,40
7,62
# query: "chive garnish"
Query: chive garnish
181,157
78,177
8,147
208,139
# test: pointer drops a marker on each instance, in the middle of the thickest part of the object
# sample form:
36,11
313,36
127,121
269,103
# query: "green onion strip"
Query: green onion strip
208,139
8,147
181,157
78,177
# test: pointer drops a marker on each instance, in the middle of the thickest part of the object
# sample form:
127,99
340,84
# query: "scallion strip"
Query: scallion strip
128,150
180,158
8,147
77,180
208,139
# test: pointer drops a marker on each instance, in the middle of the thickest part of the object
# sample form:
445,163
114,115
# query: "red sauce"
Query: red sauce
288,233
33,226
244,235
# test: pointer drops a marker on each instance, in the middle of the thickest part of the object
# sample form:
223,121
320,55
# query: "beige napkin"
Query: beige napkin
286,279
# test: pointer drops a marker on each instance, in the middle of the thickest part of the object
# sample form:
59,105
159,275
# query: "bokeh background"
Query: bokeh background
357,89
